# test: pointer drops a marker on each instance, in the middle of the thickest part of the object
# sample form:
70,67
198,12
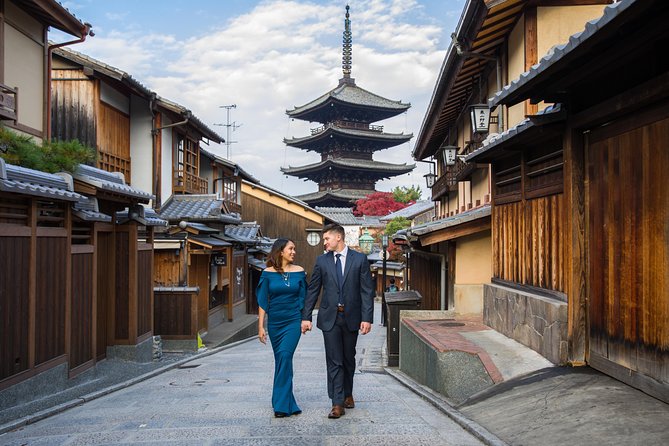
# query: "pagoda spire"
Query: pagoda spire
347,47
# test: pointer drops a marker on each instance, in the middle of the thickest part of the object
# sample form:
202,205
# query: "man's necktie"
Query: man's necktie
340,275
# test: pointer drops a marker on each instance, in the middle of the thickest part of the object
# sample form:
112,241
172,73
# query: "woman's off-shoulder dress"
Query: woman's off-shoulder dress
281,295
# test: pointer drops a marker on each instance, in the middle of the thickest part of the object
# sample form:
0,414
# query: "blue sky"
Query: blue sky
269,56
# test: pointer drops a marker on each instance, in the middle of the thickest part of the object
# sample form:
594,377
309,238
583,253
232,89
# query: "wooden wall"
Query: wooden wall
73,99
175,314
82,334
144,290
628,245
426,279
14,300
528,242
277,222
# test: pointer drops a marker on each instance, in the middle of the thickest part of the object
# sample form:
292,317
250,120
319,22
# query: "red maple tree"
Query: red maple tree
378,204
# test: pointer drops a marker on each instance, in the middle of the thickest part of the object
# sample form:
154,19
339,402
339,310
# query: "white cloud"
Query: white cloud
280,55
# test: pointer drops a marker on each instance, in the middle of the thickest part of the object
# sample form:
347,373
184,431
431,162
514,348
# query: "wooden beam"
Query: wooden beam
453,232
531,50
640,96
575,255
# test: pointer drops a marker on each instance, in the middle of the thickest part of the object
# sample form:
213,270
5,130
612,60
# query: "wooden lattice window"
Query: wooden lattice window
51,214
508,180
543,172
14,211
82,233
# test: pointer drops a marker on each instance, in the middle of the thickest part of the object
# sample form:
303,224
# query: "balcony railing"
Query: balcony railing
8,102
348,125
188,183
458,172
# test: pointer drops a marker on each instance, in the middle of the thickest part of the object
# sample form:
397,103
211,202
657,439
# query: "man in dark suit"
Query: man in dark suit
347,307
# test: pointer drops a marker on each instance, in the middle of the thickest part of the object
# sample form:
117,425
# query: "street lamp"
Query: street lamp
384,252
366,242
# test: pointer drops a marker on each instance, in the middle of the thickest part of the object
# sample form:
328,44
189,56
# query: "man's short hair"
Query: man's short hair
338,229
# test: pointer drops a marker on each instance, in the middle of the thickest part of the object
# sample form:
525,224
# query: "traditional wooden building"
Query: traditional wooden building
280,215
24,70
347,139
74,285
580,214
494,41
157,144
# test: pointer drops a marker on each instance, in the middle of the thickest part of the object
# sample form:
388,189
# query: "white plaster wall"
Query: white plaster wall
141,148
115,98
24,66
166,162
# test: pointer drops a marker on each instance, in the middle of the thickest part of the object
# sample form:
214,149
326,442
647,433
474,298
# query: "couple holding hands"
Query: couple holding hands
346,309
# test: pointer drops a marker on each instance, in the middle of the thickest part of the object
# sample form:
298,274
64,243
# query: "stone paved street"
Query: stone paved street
225,399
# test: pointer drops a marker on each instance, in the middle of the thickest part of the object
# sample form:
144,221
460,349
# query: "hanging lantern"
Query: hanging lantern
480,116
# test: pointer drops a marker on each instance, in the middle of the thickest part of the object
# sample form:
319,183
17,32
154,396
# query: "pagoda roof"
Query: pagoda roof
335,197
326,134
381,169
347,94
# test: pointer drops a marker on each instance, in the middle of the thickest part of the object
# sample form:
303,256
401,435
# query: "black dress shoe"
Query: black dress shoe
280,415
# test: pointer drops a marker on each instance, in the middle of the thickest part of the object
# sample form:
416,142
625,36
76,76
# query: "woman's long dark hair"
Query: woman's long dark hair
274,257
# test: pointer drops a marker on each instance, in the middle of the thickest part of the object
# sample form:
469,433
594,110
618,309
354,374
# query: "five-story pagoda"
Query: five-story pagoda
346,140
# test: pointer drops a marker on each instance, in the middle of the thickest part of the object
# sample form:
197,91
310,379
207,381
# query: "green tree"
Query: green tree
396,224
56,156
405,194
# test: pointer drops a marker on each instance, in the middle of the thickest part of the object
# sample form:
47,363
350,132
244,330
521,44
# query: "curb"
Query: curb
30,419
443,405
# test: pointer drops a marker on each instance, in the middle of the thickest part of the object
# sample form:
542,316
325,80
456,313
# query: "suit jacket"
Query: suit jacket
357,289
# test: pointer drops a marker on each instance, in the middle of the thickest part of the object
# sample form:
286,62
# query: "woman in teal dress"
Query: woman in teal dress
280,294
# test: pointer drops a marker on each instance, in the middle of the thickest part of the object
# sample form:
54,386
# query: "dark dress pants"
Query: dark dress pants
340,359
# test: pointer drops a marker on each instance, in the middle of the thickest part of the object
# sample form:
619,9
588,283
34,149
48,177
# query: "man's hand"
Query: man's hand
365,327
306,326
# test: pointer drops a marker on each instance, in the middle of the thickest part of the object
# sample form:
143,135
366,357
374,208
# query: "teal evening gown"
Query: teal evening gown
282,298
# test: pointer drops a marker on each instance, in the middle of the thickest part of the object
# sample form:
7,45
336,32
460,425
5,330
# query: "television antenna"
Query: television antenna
228,127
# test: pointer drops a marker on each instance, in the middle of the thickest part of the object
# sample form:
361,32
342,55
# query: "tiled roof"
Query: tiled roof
25,181
351,94
109,182
209,240
369,165
473,214
558,52
331,129
344,216
196,208
493,140
246,233
149,217
87,209
340,194
411,211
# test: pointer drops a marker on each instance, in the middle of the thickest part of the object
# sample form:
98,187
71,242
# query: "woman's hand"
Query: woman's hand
262,336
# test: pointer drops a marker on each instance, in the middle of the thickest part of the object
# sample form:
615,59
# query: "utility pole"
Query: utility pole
228,126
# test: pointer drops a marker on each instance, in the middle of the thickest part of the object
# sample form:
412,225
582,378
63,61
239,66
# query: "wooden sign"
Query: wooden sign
220,259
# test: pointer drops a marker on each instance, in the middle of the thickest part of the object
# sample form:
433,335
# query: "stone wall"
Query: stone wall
535,321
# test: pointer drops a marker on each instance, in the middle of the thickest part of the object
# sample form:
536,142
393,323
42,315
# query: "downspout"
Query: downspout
86,31
154,149
186,115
